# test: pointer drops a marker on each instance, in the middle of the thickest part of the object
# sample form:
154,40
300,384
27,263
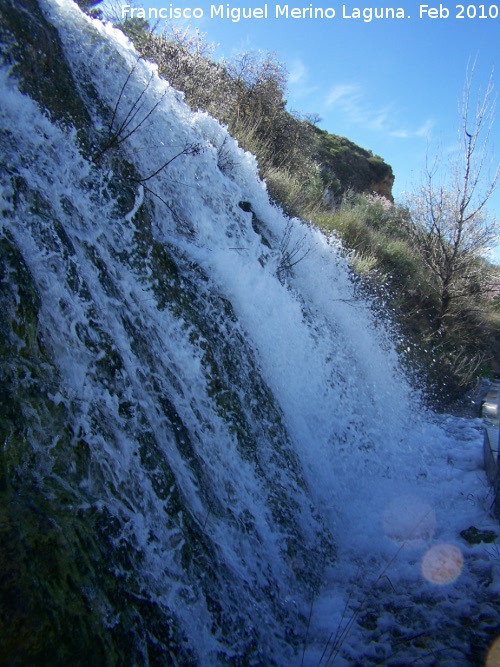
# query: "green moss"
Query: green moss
61,601
42,596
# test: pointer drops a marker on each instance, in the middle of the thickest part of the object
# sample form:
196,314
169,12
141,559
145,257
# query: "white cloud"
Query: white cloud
346,94
297,72
298,80
350,100
422,132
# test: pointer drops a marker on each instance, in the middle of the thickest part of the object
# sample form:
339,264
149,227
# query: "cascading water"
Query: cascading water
198,439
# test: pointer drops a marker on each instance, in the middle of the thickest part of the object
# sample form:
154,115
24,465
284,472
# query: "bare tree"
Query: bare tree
448,222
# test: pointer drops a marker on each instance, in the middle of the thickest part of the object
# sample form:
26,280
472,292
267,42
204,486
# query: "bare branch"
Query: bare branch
449,224
189,149
125,129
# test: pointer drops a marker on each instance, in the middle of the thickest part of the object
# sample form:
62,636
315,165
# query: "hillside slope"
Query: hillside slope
248,94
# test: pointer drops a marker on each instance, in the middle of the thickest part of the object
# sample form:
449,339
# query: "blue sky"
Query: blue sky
391,85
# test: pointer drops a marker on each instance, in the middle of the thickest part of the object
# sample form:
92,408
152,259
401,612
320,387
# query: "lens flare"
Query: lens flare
442,564
493,657
409,521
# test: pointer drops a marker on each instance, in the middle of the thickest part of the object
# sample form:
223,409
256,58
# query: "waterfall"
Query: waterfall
199,440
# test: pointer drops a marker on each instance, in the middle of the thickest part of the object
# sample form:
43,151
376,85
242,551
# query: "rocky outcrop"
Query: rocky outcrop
347,166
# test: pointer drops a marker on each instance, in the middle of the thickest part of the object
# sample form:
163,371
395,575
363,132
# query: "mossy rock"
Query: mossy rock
475,536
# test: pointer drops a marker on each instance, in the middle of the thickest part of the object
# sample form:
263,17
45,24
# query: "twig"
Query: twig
189,149
176,216
124,130
307,632
209,511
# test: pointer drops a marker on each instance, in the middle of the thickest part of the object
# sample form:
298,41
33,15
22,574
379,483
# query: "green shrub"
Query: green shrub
296,197
363,263
400,259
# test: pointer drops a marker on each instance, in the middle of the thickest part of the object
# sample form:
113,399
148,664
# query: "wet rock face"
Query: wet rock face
32,45
152,507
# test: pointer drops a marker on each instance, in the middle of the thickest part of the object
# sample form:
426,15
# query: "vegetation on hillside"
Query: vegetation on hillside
448,355
298,161
420,259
